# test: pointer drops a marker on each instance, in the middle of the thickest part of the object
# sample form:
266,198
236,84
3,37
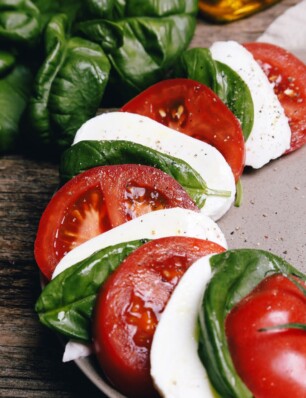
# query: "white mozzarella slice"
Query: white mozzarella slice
271,134
204,158
157,224
176,369
75,350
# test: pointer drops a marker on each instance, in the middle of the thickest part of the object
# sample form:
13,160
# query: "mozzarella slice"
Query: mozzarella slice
175,365
75,350
157,224
204,158
271,134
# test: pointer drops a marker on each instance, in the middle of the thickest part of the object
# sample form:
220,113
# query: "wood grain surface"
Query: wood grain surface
30,356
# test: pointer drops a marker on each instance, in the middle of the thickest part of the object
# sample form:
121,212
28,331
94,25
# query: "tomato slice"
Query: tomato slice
194,109
99,199
288,76
130,304
272,363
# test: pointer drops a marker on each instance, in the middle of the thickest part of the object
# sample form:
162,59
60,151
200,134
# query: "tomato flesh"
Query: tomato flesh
130,304
272,363
288,75
86,218
97,200
139,200
193,109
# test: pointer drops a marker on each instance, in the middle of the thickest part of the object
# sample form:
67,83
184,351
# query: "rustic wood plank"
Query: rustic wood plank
25,188
30,355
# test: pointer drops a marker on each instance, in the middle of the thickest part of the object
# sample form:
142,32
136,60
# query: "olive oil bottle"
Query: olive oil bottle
230,10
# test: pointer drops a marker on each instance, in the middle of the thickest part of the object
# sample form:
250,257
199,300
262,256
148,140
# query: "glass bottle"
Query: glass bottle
231,10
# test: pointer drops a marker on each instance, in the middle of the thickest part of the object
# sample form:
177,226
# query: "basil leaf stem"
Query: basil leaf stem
301,326
239,193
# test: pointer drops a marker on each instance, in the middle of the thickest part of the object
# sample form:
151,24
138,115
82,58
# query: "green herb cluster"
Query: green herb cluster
61,60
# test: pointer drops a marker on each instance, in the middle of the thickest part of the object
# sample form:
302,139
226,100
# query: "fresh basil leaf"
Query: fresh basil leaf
236,95
119,9
19,22
157,43
159,8
66,303
87,154
106,33
68,87
143,39
48,9
100,8
198,64
236,274
14,93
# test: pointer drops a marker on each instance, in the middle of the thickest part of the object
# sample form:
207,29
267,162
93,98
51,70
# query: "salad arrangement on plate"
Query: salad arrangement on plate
136,268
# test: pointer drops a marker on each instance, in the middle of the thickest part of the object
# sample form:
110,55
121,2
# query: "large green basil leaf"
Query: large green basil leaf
19,22
99,8
236,274
198,64
104,32
159,8
150,47
143,40
235,93
48,8
119,9
14,94
66,303
87,154
68,87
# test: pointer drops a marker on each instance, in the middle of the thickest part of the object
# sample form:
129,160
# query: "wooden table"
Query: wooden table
30,357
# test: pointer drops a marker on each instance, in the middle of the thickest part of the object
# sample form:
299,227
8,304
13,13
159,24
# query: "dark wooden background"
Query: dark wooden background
30,356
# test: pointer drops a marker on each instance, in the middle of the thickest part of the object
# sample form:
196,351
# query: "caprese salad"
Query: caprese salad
139,302
130,249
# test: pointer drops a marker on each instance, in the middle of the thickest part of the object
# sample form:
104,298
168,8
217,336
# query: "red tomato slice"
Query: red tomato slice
130,304
272,363
194,109
98,200
288,75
